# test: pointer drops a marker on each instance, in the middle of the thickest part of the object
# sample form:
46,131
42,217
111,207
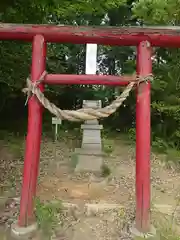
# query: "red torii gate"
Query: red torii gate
141,37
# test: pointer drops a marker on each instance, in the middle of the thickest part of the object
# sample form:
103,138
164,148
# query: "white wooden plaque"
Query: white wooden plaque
91,58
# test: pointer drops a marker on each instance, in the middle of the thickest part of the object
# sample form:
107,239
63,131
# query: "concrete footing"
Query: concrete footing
136,233
18,232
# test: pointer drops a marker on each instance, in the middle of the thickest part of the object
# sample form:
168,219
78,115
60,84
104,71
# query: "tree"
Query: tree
70,58
166,97
16,55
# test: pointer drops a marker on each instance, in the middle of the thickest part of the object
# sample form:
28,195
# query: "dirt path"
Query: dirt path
119,188
57,181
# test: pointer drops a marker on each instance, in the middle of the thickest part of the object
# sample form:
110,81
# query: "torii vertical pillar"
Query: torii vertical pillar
143,132
32,153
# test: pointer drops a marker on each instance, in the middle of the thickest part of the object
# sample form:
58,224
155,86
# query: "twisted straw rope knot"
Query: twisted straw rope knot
82,114
31,86
147,78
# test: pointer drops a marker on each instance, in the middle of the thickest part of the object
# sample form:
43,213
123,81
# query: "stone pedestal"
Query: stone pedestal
90,156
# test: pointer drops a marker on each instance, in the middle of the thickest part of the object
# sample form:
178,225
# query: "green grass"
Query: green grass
13,141
163,233
106,171
108,147
49,215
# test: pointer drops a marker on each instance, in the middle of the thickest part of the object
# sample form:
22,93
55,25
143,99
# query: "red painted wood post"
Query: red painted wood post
143,148
88,79
127,36
32,153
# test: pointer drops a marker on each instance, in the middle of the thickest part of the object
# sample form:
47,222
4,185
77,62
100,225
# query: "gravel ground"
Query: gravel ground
57,181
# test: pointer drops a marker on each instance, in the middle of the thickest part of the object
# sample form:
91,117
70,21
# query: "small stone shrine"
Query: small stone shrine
90,154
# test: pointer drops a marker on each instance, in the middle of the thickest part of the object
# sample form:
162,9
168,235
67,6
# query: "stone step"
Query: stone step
90,209
87,163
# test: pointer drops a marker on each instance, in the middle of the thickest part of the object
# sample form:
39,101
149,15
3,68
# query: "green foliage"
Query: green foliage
69,58
157,11
106,171
160,145
132,134
165,88
78,7
107,146
173,156
49,216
